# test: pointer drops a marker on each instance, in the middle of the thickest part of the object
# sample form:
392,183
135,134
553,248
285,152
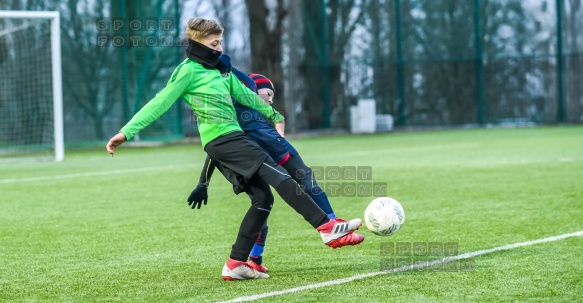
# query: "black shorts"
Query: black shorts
237,157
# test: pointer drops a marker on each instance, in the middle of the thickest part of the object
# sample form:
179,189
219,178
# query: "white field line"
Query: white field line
93,174
404,268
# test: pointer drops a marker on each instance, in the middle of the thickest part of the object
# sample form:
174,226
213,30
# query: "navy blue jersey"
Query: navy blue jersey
270,140
248,118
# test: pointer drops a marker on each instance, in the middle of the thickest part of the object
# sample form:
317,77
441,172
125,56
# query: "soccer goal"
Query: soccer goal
31,103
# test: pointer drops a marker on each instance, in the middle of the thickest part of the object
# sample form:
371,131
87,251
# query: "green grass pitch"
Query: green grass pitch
100,229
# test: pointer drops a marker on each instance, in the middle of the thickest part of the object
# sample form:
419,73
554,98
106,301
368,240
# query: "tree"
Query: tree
440,53
574,58
380,25
314,65
150,51
344,17
94,69
229,13
265,36
329,26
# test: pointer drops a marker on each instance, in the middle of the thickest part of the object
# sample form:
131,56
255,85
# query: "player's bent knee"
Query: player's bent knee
263,200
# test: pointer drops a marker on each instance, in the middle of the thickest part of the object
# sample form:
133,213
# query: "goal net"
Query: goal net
31,115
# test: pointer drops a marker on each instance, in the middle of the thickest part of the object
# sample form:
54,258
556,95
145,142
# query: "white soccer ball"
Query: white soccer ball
384,216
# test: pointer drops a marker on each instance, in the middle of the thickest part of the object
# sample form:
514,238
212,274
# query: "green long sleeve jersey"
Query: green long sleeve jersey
209,95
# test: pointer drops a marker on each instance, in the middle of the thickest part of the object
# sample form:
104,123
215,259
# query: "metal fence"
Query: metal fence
513,90
473,65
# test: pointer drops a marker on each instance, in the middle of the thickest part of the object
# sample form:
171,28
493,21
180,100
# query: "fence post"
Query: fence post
176,45
479,64
325,69
401,106
560,65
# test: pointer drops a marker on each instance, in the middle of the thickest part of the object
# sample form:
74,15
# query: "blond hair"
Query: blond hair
200,28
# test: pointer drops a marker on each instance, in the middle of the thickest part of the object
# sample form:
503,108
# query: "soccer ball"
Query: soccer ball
384,216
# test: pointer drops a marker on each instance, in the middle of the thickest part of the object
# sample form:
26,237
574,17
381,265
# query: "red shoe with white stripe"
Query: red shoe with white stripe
337,232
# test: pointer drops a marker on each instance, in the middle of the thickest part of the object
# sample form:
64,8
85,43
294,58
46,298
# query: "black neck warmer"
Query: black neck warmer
202,54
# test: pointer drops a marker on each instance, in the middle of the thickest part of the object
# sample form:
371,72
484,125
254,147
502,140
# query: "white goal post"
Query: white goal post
20,71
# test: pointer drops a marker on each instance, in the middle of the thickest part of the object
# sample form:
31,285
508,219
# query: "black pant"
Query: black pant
239,158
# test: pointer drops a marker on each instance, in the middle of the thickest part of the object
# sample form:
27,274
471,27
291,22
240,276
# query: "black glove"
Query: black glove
198,195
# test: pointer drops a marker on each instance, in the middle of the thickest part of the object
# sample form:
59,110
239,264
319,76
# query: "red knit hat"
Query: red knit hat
262,81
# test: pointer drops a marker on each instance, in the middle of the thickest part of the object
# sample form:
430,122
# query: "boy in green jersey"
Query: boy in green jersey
207,87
